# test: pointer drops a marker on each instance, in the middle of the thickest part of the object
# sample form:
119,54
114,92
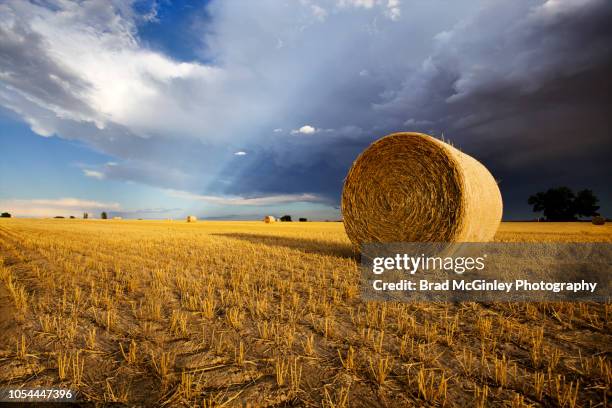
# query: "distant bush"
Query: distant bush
59,216
303,219
72,217
285,218
5,215
85,216
104,215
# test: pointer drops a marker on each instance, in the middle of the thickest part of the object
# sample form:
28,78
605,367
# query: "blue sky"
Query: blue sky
172,30
237,109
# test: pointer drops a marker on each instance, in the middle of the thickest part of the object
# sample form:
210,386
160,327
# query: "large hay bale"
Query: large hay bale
411,187
191,218
268,219
598,220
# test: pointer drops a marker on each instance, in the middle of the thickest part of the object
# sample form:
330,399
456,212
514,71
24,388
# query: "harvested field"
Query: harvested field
153,313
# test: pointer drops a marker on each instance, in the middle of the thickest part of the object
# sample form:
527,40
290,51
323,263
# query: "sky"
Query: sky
230,109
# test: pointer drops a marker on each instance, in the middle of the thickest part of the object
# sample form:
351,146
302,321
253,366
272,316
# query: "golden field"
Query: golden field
247,313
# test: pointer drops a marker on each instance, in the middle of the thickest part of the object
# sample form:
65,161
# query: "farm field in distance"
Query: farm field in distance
230,313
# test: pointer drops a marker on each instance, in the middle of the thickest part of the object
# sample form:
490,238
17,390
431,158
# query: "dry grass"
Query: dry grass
230,313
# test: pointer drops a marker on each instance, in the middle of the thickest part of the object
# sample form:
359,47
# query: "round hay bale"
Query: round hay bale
411,187
268,219
191,218
598,220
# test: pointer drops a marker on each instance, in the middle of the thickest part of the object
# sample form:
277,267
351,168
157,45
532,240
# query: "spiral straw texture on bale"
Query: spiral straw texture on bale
411,187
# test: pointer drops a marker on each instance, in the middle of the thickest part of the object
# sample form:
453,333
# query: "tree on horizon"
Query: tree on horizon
561,204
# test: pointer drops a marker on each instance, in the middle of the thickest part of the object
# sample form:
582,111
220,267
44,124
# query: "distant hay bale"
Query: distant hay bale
268,219
598,220
411,187
191,218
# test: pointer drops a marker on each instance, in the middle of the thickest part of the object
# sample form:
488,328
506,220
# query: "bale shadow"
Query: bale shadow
312,246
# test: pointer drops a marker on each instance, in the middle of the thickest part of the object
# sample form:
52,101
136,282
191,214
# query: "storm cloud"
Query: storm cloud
303,87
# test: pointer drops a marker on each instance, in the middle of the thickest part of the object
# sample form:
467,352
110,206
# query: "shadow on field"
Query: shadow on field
302,244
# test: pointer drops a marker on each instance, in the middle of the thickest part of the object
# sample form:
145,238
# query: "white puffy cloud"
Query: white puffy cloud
240,153
394,11
357,3
306,130
319,12
86,65
93,174
392,8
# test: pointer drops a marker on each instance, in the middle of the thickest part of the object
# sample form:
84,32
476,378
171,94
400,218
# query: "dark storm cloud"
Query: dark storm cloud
525,88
